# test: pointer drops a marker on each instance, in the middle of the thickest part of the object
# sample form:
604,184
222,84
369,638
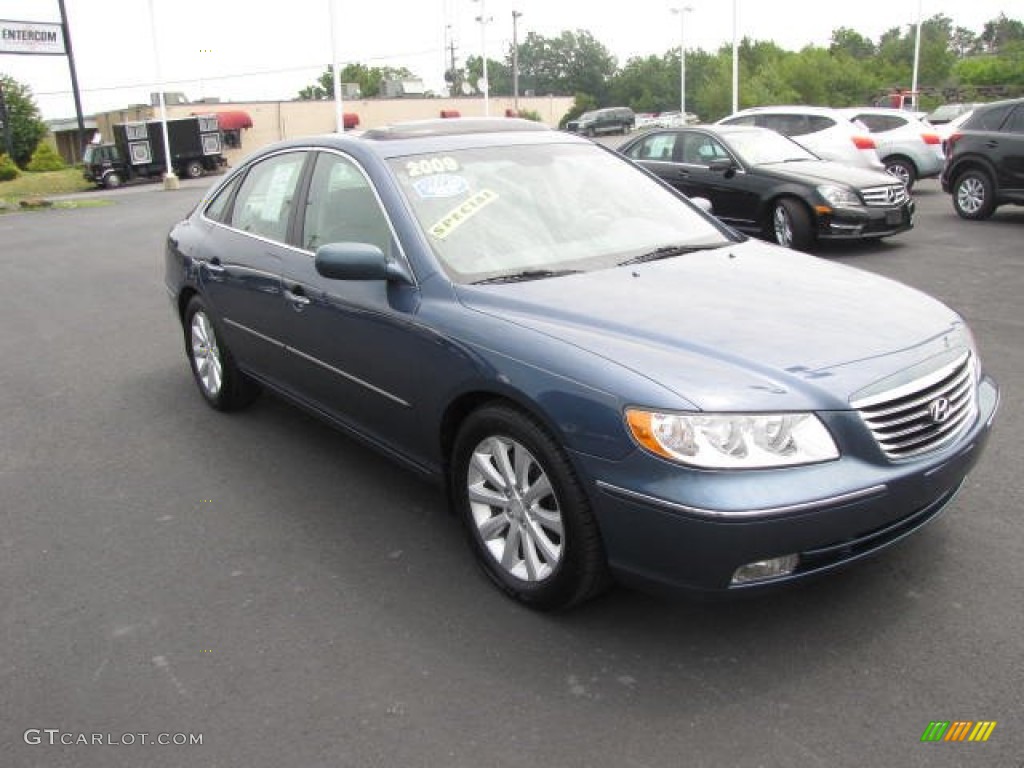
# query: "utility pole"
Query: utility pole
515,61
74,77
484,19
170,180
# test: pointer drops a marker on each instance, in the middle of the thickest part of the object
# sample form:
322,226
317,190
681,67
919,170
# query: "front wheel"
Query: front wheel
974,195
791,225
527,518
221,384
903,170
112,180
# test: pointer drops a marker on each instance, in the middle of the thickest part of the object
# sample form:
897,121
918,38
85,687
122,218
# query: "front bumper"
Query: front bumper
859,223
685,529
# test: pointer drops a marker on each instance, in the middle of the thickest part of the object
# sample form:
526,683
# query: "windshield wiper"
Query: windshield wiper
526,274
668,251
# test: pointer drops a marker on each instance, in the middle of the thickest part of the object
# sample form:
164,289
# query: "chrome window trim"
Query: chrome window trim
298,249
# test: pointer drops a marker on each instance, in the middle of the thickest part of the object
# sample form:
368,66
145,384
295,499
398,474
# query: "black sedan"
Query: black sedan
761,182
608,382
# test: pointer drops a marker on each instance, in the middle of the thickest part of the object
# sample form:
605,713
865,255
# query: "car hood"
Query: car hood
826,171
744,327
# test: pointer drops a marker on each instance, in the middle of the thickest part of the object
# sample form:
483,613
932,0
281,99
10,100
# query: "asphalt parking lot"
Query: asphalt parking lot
295,600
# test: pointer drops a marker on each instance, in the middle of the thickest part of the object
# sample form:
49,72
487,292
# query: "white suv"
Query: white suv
826,132
910,148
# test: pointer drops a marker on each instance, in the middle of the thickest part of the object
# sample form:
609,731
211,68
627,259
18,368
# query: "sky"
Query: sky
242,50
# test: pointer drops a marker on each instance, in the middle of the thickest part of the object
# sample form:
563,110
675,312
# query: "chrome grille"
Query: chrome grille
880,197
924,414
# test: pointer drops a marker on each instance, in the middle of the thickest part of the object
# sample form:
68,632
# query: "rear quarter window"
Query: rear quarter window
988,119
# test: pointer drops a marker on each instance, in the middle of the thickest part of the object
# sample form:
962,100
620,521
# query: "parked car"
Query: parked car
610,120
607,381
948,112
909,148
767,185
985,160
826,132
948,129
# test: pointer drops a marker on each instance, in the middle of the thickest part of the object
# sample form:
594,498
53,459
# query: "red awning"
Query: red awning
231,120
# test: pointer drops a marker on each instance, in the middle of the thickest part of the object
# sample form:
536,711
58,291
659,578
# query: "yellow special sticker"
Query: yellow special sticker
461,213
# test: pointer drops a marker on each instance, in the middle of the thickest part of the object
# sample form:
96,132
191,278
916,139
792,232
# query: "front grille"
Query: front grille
924,414
883,197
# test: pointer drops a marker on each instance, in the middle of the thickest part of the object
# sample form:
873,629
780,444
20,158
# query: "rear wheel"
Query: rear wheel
194,169
903,170
791,225
527,518
974,195
221,384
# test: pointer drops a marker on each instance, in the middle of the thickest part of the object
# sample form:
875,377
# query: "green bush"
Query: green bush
45,158
8,170
530,114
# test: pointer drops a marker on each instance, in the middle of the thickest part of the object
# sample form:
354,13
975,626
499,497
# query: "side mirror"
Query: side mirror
703,203
724,166
357,261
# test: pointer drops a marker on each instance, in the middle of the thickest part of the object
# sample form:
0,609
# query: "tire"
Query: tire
974,195
194,169
528,521
790,225
904,170
221,384
112,180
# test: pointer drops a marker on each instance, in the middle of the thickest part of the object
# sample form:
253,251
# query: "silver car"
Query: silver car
910,148
826,132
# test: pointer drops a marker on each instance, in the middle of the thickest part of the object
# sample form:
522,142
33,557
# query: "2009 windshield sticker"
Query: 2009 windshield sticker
429,166
442,185
459,215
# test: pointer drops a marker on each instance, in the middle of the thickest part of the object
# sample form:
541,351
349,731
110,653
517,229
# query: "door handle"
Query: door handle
214,267
297,298
991,143
683,174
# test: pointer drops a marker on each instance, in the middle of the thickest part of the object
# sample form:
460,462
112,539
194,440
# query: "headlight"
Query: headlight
733,440
839,197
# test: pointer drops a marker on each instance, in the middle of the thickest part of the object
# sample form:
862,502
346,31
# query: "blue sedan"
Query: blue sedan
610,384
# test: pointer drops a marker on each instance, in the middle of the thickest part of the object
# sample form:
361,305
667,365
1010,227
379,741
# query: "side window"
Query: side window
265,198
815,123
218,210
1016,122
881,123
743,120
787,125
701,149
656,147
989,119
341,206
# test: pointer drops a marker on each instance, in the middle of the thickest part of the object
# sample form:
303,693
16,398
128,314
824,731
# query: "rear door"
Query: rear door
1012,162
240,265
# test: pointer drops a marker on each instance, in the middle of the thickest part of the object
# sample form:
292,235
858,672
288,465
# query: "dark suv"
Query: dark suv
608,120
985,160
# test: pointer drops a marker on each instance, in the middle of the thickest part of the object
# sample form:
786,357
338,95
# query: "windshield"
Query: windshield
766,147
544,208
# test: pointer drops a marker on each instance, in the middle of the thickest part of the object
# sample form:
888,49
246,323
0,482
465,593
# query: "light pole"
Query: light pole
170,180
735,60
515,61
917,58
484,19
339,108
682,11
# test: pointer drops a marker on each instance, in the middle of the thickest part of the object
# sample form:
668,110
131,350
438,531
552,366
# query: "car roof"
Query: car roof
438,135
789,109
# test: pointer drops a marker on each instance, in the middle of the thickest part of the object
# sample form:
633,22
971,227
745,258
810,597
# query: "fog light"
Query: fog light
764,570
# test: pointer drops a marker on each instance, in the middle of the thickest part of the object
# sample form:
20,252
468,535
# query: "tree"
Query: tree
45,158
27,127
499,74
853,44
1001,32
369,80
573,62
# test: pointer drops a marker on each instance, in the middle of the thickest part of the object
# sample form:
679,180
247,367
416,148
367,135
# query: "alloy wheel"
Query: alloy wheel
514,508
970,195
206,355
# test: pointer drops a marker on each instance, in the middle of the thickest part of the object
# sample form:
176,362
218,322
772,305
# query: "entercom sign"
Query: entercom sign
31,37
